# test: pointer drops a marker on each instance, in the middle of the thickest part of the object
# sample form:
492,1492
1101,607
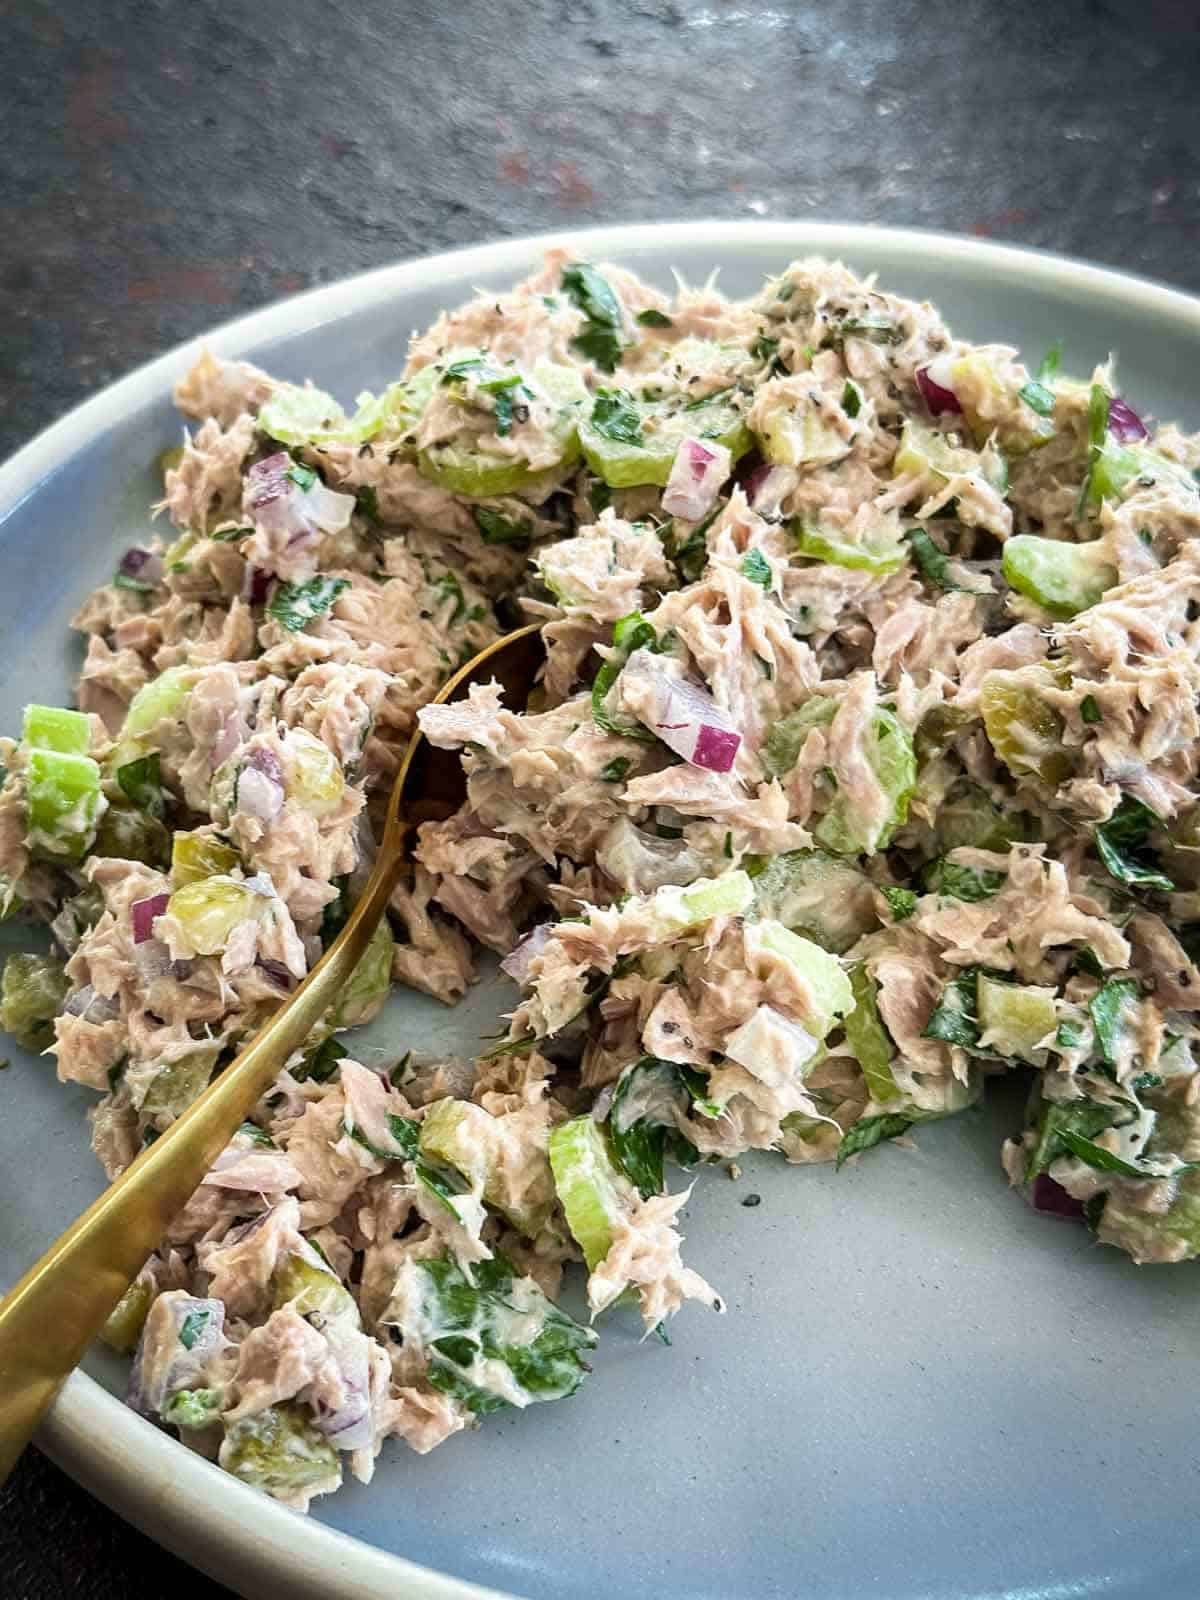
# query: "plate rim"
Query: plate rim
132,1467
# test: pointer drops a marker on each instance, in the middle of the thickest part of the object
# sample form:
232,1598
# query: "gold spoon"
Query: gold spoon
57,1309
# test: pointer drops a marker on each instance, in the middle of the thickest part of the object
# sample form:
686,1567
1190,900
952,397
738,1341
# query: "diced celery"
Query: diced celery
886,556
162,698
786,737
296,414
1022,729
641,446
469,1139
308,1286
726,896
195,856
124,1326
208,910
980,392
1115,466
1015,1018
794,433
819,895
1062,578
480,474
867,1038
63,802
52,728
593,1194
369,983
279,1450
32,992
315,780
822,973
926,453
890,753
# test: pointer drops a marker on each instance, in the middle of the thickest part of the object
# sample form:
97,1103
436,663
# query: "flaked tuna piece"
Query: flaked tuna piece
436,956
601,573
108,682
206,487
644,1255
240,1266
224,390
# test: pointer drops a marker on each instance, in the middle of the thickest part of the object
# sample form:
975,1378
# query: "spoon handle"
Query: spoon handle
57,1309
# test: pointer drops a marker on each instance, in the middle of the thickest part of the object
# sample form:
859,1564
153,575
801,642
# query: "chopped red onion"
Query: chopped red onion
277,973
935,389
697,473
142,564
259,795
263,759
522,956
350,1425
89,1005
153,960
1049,1196
143,913
1124,423
164,1364
256,585
771,488
684,716
277,502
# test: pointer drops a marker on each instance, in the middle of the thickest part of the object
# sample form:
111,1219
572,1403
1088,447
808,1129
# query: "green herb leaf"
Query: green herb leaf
614,771
1087,961
1049,364
295,605
141,782
122,580
630,633
193,1326
640,1143
933,562
653,318
601,340
903,902
252,1131
232,535
614,415
971,884
1083,1117
1123,834
407,1132
852,398
1098,404
1109,1007
320,1063
495,528
1069,1034
303,477
1089,710
757,568
870,1131
1095,1155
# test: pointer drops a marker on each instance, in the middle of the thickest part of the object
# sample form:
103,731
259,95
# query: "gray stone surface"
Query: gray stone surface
164,166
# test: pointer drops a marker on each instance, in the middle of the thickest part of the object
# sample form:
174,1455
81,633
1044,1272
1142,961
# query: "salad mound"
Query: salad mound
862,768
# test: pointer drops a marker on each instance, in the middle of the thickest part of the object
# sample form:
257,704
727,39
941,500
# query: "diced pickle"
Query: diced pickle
208,910
314,776
307,1287
124,1326
370,981
1022,729
193,1408
132,835
32,991
1063,578
177,1084
1015,1018
822,896
279,1450
195,856
867,1038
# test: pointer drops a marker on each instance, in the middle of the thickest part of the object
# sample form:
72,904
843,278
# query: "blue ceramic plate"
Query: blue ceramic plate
922,1391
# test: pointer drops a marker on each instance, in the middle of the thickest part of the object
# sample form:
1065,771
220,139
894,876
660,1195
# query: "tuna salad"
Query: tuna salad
862,769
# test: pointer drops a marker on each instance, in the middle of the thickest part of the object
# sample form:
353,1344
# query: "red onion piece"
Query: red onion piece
256,585
684,716
752,479
277,973
276,502
1050,1197
350,1425
143,913
522,955
232,731
697,473
142,564
937,396
1124,423
259,795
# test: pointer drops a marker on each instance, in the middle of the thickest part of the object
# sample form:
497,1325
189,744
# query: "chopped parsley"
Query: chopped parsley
757,568
294,605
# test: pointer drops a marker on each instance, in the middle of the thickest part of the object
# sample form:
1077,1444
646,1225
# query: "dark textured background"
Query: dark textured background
165,165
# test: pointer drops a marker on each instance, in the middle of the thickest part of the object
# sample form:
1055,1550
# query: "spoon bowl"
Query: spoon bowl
48,1320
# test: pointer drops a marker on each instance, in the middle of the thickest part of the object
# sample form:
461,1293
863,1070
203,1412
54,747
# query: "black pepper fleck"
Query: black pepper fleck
752,1200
